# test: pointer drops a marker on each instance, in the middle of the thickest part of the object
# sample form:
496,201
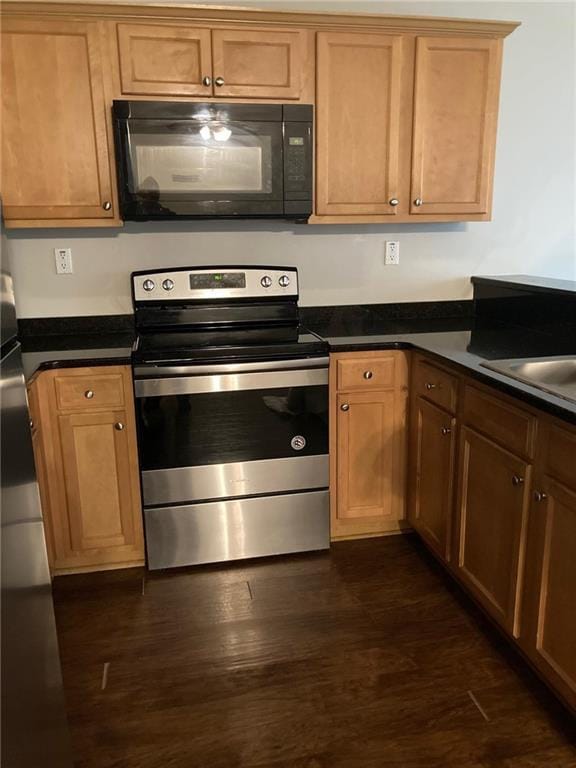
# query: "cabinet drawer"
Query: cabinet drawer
436,385
86,392
502,422
366,373
559,455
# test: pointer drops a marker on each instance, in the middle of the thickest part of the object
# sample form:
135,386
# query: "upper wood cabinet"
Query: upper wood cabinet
56,162
405,115
164,60
231,63
258,64
406,127
85,450
457,83
368,393
359,82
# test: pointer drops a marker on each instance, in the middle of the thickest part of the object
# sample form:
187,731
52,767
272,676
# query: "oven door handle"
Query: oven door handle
229,382
156,370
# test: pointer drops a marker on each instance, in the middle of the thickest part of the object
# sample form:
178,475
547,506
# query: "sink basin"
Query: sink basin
551,374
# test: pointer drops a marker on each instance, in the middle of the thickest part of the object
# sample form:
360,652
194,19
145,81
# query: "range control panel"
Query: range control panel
206,284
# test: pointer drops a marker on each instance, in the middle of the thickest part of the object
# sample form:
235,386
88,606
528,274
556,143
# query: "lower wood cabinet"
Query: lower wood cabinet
431,483
502,513
491,520
368,423
548,632
87,461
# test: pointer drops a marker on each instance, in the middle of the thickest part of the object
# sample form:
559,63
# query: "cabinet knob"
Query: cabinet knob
344,407
219,81
368,374
445,430
393,201
89,394
429,385
119,426
418,202
540,496
107,205
206,80
517,480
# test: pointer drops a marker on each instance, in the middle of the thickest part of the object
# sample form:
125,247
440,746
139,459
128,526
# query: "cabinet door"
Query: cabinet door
358,123
431,475
98,454
454,134
257,63
164,60
368,453
549,609
55,161
492,515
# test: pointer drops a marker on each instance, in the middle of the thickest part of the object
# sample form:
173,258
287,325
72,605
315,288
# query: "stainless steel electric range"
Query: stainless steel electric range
232,412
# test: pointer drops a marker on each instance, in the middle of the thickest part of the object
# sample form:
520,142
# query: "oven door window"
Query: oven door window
191,160
222,427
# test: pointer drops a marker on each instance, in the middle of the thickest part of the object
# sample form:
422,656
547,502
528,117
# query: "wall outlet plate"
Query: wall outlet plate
392,257
63,260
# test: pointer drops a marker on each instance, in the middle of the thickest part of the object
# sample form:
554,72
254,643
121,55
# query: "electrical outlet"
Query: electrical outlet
392,252
63,259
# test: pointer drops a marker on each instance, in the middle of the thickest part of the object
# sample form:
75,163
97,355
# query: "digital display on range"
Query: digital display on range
209,280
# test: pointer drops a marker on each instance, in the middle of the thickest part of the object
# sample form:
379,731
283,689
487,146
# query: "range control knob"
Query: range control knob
148,285
284,281
168,284
266,281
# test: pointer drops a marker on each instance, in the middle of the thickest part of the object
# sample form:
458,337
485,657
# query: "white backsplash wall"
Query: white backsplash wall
533,227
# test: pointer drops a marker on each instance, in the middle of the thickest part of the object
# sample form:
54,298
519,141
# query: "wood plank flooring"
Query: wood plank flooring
364,657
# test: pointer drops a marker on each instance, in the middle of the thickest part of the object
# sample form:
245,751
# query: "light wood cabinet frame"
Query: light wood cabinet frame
68,179
385,511
358,119
164,60
87,462
538,609
449,184
112,75
494,489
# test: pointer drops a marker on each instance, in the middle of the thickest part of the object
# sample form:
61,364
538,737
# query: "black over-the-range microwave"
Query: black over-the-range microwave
205,160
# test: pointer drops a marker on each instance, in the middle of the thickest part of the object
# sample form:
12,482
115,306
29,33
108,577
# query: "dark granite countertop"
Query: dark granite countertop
466,343
529,283
73,350
462,339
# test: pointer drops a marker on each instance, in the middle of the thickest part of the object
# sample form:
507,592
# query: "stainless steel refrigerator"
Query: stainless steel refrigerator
34,727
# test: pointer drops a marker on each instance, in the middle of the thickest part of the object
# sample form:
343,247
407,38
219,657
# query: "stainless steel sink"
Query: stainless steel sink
551,374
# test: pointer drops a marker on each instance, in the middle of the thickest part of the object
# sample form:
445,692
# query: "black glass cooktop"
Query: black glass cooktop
233,344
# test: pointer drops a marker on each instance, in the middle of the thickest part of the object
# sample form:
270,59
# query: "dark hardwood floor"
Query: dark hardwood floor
366,657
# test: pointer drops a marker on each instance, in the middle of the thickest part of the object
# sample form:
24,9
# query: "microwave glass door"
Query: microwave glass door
212,160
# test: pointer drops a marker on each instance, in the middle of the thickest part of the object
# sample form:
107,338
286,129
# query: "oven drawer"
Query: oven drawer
237,529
